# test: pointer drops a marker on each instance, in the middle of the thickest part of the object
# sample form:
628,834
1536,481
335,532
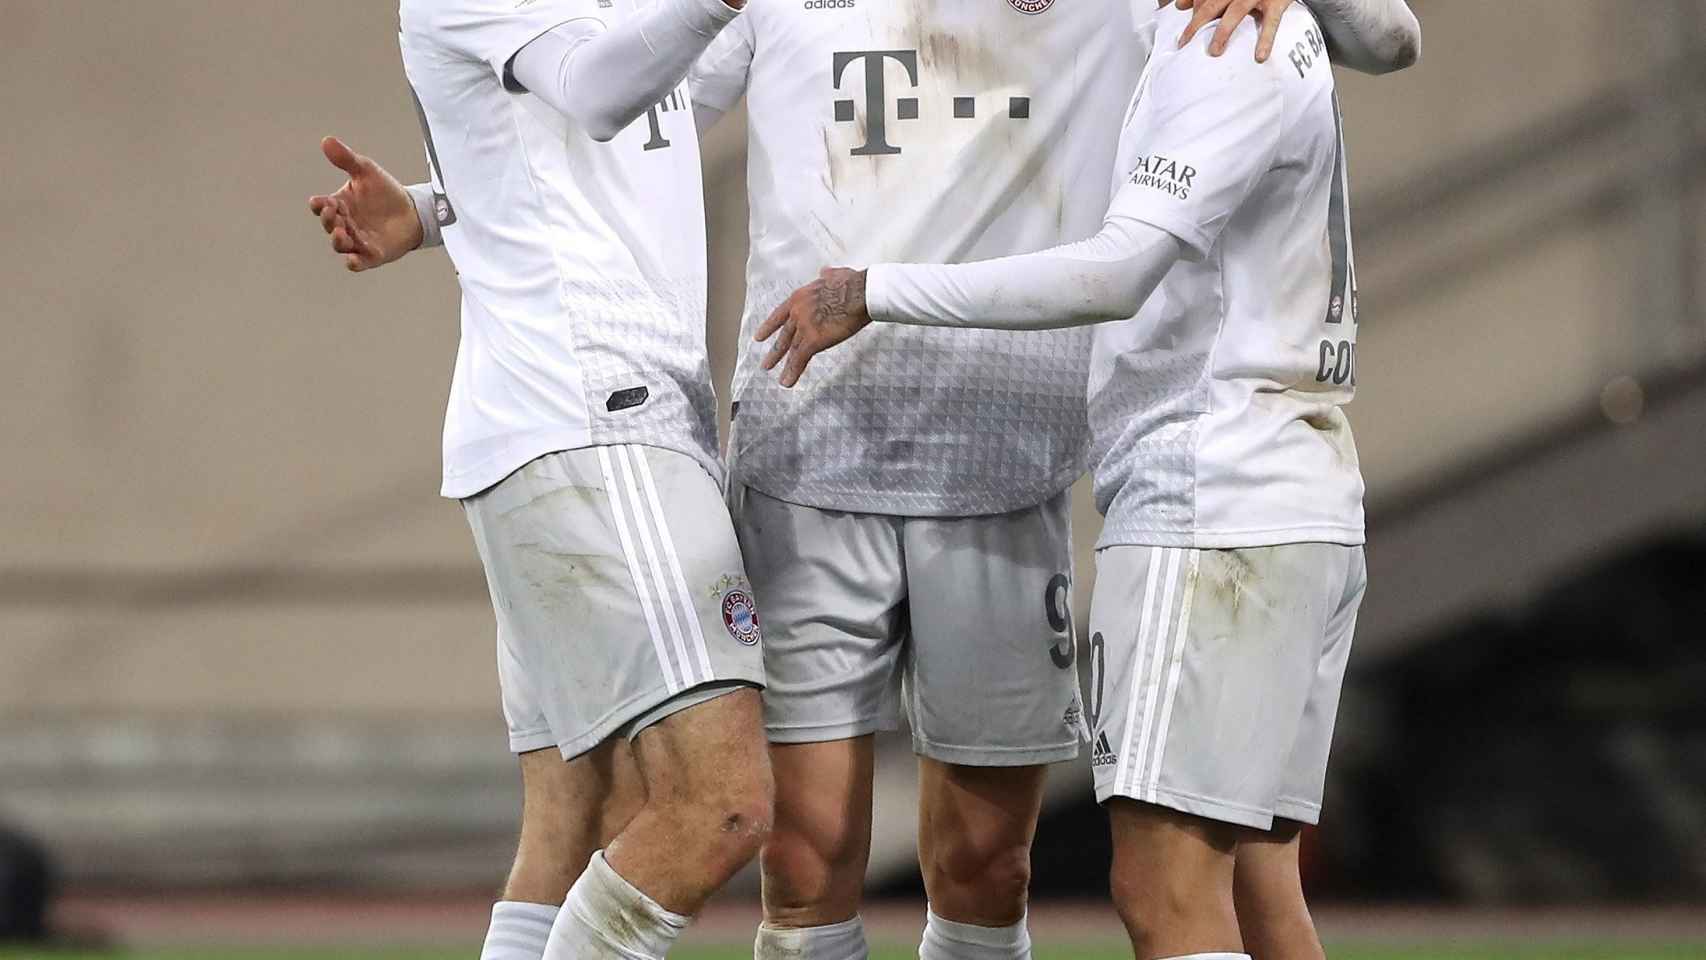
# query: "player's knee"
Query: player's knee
742,814
812,870
750,816
1267,874
794,851
1152,902
1139,908
983,877
1187,897
824,834
727,820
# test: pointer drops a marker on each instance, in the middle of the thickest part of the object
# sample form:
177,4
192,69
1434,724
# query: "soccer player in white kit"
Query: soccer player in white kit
581,440
1231,569
915,523
905,515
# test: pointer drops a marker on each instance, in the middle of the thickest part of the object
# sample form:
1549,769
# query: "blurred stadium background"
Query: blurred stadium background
246,684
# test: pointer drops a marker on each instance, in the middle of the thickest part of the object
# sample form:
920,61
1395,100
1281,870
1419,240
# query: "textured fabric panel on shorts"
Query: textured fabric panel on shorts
1215,674
991,679
618,585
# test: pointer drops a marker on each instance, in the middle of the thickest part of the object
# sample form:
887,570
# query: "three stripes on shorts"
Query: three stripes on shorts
672,618
1160,657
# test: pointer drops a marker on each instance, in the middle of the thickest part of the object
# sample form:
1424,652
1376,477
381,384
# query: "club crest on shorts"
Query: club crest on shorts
740,616
1030,7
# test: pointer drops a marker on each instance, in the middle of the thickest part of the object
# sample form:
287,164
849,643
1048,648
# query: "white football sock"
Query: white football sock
837,941
949,940
1213,956
606,918
518,931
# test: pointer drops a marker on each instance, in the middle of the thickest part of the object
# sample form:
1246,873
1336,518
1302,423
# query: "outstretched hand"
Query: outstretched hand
1231,13
371,219
816,317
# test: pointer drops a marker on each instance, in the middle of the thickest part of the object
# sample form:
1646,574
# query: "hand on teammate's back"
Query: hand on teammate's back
371,219
1231,13
816,317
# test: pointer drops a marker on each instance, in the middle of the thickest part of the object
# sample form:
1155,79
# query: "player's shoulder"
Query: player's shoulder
430,17
1300,49
426,18
1299,58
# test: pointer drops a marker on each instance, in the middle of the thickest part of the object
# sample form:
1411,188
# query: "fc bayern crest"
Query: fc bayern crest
740,616
1031,7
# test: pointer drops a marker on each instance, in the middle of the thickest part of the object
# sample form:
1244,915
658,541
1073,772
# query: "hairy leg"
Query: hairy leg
568,811
1268,886
708,802
1172,880
814,863
975,829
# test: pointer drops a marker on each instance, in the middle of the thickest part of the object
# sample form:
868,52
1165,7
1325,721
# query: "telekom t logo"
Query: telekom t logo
905,108
876,104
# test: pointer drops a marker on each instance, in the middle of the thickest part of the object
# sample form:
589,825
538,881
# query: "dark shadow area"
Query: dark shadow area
1553,757
26,883
1558,756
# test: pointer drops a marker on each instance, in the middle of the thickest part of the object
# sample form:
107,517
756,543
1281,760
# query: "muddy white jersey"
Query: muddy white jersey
1217,409
918,131
582,264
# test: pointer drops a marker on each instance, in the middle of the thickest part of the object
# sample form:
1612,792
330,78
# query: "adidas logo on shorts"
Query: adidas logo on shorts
1104,754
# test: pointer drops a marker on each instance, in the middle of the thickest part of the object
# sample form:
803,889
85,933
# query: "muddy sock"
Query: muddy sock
606,918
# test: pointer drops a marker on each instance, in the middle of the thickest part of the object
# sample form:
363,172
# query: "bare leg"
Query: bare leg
975,829
569,810
1268,887
1172,881
814,864
708,803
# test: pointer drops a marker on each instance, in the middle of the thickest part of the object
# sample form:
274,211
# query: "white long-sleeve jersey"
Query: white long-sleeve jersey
926,131
1216,409
582,263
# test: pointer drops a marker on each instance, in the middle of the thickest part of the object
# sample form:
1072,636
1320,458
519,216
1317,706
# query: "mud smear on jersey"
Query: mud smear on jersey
830,167
971,61
1335,428
955,176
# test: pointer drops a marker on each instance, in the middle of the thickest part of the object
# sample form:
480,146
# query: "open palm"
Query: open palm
371,218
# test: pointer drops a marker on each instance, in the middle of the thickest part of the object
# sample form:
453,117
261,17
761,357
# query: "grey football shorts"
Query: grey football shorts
1215,676
619,592
966,621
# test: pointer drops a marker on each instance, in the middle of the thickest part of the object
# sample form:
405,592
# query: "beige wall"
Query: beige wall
194,389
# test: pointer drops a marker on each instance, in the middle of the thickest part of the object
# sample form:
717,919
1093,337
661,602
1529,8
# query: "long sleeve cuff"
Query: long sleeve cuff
426,208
